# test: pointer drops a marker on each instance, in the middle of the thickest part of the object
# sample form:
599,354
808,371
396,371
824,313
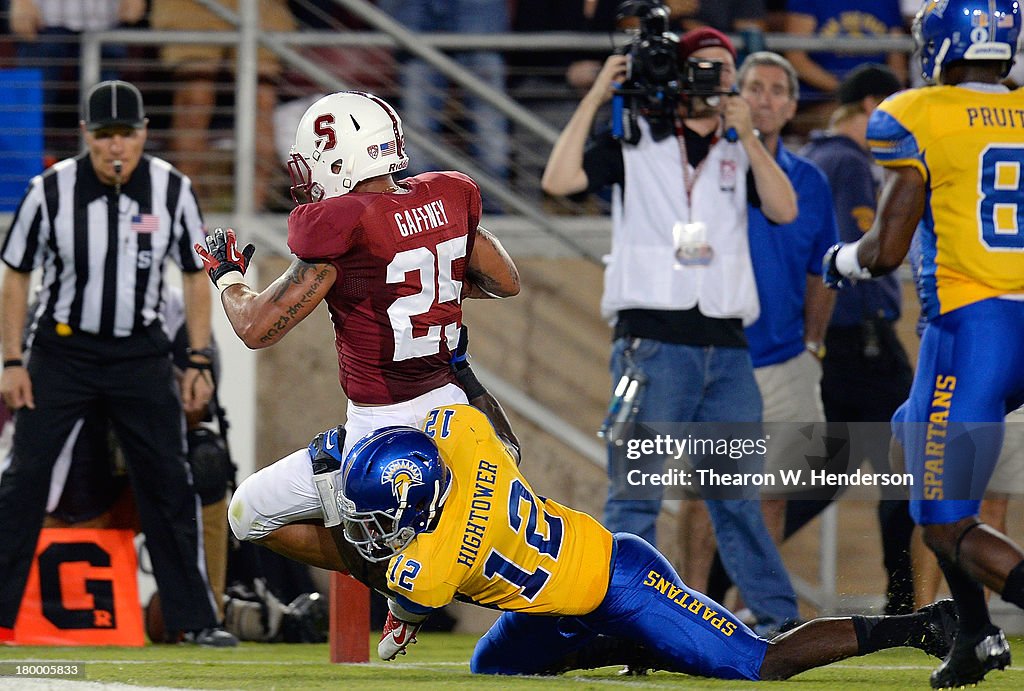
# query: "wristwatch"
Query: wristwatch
816,349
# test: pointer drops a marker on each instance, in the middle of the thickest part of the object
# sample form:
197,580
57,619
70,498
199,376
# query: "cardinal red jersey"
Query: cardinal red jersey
401,259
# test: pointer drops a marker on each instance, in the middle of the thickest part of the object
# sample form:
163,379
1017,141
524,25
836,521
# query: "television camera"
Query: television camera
655,85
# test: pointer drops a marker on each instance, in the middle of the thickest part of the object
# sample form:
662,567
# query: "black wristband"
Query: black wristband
13,362
207,352
469,383
204,366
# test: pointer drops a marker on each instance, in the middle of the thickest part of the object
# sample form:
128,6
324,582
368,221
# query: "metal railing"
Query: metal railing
522,200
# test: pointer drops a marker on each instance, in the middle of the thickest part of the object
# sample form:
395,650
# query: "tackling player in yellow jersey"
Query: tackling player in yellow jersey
955,158
449,512
490,512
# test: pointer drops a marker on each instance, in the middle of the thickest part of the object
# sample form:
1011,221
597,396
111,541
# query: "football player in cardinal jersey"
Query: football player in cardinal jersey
393,261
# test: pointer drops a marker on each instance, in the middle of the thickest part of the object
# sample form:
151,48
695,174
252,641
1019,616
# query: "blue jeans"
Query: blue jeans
701,384
424,88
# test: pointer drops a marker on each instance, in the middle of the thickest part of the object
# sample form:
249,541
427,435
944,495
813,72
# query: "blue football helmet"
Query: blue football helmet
950,30
394,483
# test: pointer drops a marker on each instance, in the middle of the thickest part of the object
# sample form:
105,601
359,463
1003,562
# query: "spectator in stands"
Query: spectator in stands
538,79
867,373
822,71
775,15
599,16
727,15
195,69
47,33
424,89
550,83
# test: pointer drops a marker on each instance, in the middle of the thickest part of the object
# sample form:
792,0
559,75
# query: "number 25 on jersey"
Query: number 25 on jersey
436,286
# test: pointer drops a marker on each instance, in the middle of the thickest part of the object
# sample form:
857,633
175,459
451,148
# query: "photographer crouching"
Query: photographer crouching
684,162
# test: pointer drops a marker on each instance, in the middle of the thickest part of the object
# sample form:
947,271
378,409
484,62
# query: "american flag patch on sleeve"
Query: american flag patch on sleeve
145,223
387,147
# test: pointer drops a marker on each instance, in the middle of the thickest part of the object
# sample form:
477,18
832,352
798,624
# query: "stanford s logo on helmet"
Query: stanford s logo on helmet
951,30
343,139
394,483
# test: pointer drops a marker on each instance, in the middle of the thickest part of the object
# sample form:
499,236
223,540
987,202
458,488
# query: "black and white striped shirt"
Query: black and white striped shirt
103,256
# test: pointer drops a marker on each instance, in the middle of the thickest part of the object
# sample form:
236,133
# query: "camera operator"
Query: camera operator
679,286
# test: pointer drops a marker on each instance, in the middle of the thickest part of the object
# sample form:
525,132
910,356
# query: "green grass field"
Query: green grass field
438,661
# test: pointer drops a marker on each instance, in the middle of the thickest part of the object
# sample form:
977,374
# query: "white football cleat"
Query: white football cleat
397,636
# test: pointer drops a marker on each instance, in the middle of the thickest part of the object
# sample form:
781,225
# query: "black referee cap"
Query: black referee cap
113,103
868,80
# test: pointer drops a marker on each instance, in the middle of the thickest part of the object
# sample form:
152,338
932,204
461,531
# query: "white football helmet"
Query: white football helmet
343,139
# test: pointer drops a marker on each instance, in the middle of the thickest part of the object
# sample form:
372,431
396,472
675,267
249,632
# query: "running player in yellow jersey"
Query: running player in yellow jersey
955,158
450,514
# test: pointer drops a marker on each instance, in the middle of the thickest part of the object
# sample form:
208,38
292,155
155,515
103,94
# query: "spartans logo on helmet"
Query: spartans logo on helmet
402,474
394,484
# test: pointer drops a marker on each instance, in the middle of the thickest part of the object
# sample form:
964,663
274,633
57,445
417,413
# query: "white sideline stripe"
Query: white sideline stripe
73,685
54,684
397,665
79,661
897,668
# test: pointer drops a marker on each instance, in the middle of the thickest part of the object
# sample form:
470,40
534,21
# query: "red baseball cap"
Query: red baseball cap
704,37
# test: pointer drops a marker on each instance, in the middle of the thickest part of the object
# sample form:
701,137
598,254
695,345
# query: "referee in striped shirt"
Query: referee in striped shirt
102,226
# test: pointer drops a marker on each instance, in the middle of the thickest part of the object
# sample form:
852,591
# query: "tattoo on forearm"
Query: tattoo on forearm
296,275
486,283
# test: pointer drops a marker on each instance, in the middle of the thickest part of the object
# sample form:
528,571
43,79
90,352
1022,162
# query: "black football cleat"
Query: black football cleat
940,629
213,637
969,661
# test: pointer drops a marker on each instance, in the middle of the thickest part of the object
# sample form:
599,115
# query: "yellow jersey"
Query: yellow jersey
498,543
968,144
